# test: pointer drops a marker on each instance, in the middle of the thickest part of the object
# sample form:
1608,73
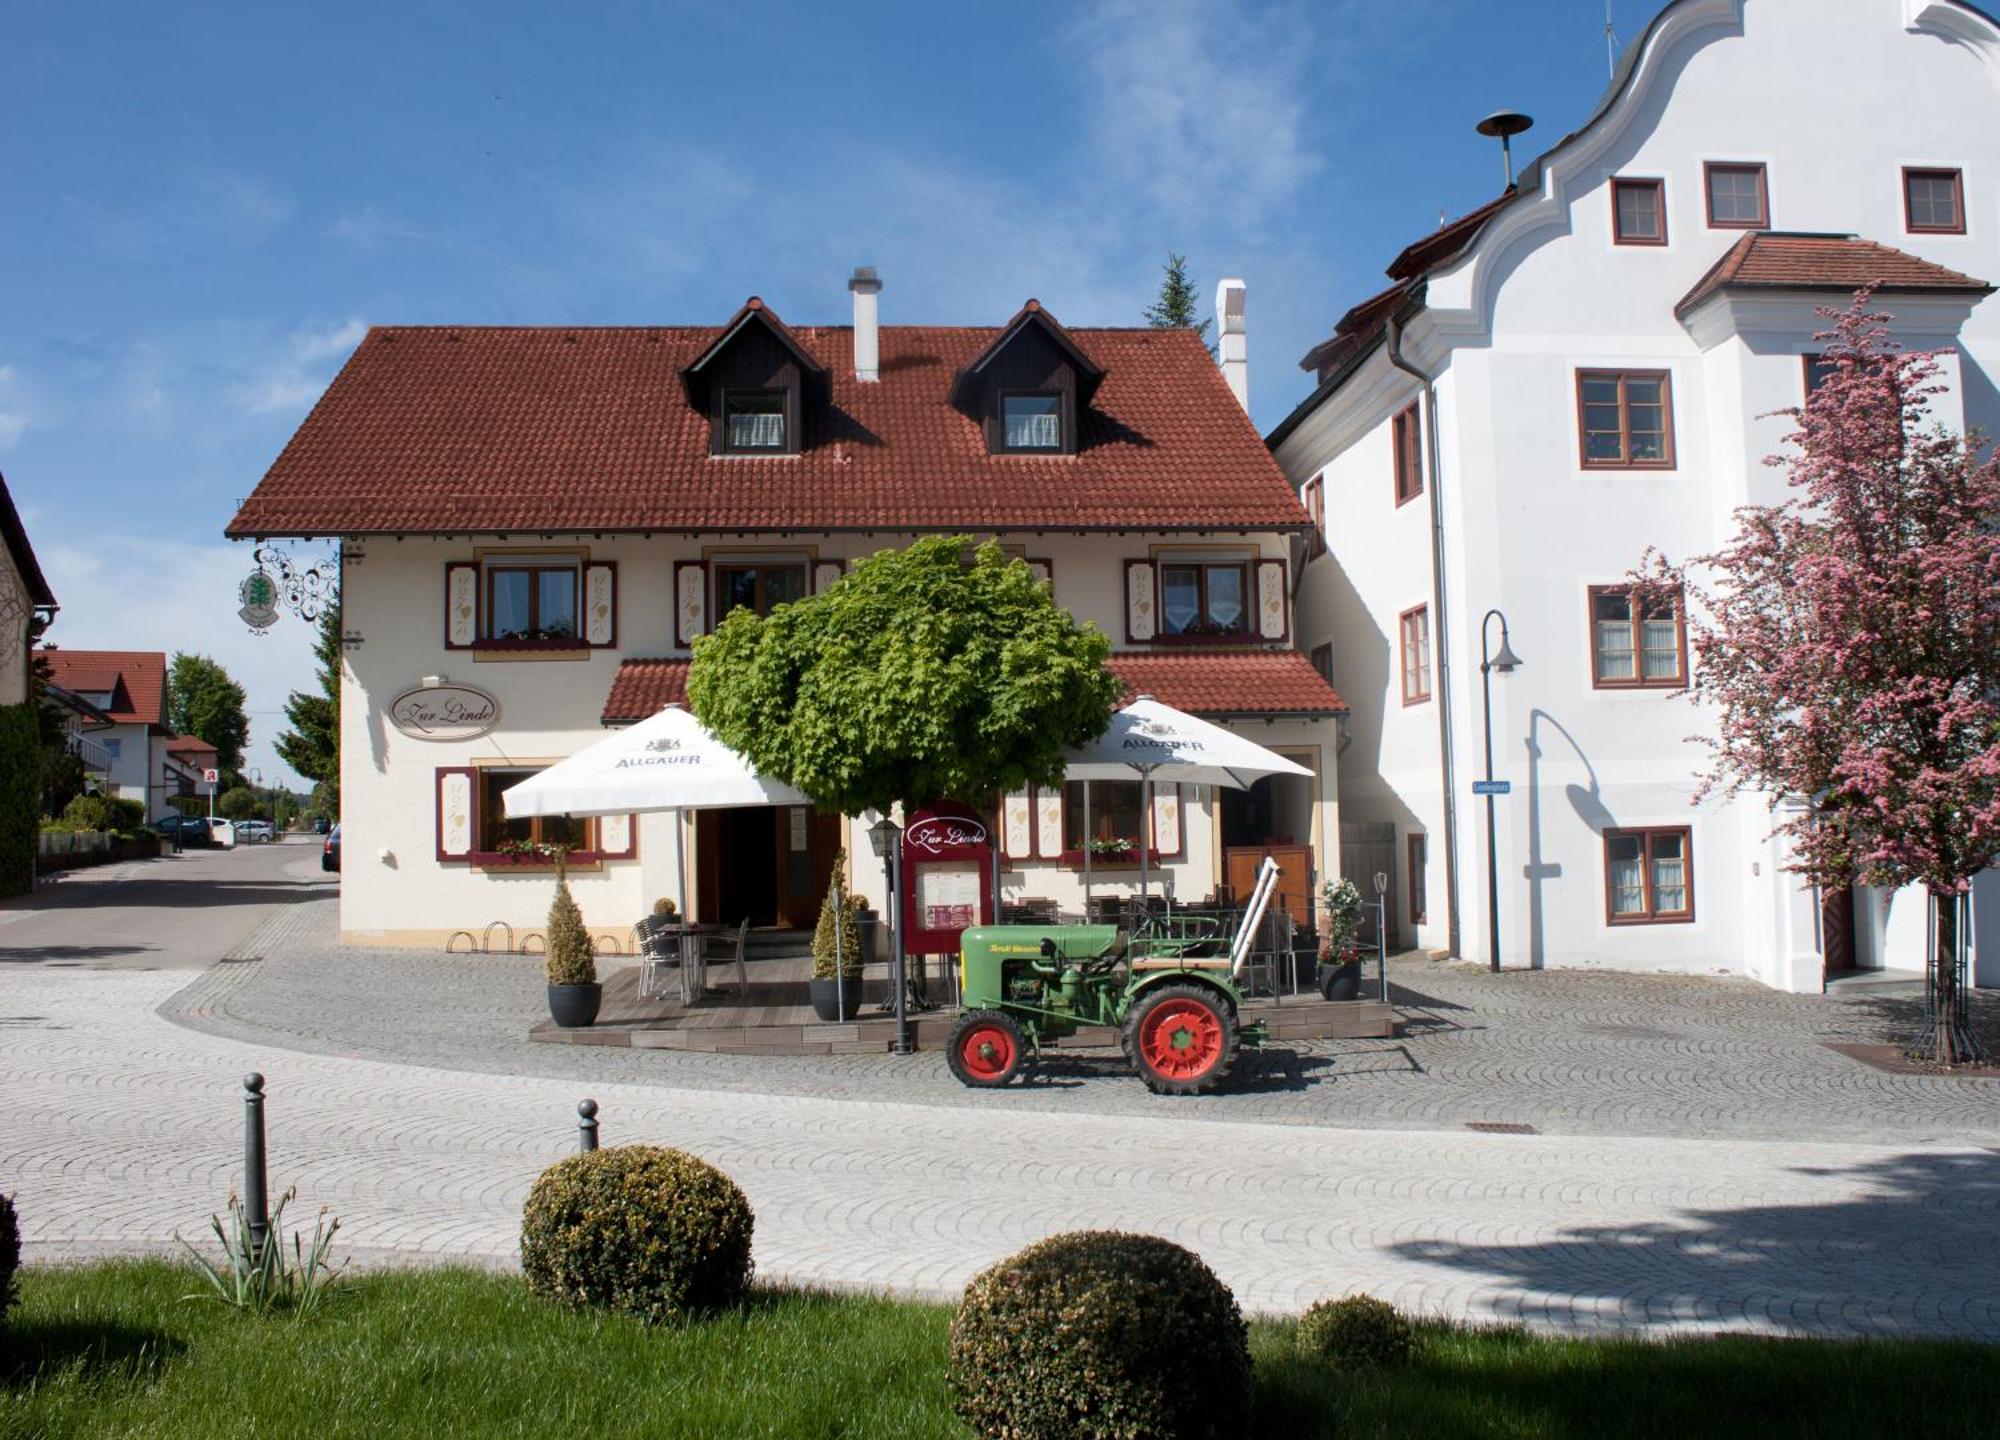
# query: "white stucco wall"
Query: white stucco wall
1529,530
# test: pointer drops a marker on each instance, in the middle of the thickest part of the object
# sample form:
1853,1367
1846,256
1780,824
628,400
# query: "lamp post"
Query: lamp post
886,838
1504,662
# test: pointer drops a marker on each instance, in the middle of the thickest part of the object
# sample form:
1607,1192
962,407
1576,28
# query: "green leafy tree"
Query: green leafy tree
203,701
63,773
1178,306
312,745
917,677
237,803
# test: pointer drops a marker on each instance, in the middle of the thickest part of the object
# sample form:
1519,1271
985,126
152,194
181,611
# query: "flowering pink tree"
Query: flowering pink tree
1849,641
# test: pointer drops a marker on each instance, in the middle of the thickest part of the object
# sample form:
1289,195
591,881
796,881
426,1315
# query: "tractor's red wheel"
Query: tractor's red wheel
986,1048
1182,1039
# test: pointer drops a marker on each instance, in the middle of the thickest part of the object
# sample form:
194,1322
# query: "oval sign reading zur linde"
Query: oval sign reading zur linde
444,712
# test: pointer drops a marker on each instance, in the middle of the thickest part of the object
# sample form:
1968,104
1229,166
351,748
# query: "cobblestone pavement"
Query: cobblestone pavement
118,1127
1588,1054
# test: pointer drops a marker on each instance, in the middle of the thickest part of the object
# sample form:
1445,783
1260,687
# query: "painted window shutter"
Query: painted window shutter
1049,822
1273,604
1167,819
457,820
600,603
617,837
690,601
1141,600
1017,825
461,605
826,572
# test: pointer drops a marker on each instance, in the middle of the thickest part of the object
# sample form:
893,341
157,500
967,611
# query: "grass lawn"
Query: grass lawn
113,1350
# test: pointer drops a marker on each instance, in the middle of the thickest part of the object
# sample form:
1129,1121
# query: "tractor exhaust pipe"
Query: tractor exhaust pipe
1253,917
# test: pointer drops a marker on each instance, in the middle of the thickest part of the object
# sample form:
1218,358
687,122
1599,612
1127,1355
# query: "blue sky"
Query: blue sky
208,203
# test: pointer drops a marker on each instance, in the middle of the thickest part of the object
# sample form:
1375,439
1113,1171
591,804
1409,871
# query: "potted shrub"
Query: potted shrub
1339,946
837,958
574,994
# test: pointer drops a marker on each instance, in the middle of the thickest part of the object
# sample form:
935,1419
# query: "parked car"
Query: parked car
329,855
185,830
222,831
321,826
256,832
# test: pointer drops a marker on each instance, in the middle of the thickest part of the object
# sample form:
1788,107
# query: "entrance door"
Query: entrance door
806,846
1836,930
769,864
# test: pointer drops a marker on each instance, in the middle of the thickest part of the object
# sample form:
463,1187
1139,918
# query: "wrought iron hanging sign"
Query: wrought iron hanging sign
258,595
308,589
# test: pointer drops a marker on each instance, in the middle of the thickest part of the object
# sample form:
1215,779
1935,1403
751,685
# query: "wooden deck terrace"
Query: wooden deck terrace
775,1016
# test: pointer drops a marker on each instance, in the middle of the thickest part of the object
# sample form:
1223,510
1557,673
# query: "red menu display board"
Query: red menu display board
947,877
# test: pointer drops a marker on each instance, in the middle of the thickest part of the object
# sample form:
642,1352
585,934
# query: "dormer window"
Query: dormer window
1031,422
753,421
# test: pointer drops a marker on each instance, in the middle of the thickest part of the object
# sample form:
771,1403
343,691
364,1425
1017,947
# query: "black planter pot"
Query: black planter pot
575,1006
1340,982
827,996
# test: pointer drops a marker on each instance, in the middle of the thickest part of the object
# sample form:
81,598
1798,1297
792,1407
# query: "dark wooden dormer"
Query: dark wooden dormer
757,385
1029,389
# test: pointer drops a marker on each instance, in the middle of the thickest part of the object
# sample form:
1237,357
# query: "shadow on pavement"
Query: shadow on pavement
1913,1252
38,954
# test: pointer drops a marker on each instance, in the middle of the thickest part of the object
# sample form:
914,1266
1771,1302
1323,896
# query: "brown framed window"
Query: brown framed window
1205,599
496,829
1635,644
1737,196
1817,368
1625,419
753,421
1315,498
760,585
1639,212
1406,434
1933,201
1322,661
530,603
1118,822
1413,627
1418,856
1031,421
1648,876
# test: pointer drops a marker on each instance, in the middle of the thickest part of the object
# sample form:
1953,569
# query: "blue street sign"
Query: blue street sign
1493,787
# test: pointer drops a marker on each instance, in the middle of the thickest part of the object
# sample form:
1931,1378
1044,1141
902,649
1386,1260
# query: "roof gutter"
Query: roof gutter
1440,628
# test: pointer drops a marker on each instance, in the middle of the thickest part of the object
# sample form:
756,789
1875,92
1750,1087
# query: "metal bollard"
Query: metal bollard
256,1197
586,1127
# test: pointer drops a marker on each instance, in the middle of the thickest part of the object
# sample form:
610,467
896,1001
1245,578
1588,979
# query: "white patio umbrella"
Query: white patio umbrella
1156,741
668,762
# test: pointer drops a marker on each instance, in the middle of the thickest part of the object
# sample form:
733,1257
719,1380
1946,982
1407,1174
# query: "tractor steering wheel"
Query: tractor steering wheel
1107,961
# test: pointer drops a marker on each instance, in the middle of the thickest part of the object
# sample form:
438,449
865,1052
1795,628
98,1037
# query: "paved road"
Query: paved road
178,912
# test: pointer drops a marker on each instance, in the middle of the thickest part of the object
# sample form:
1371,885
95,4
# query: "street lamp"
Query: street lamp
885,837
1504,662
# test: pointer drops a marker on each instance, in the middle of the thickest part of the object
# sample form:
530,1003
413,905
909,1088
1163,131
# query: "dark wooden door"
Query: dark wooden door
807,843
1836,929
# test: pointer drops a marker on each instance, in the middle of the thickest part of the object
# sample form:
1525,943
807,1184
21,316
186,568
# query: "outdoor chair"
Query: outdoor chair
741,939
659,947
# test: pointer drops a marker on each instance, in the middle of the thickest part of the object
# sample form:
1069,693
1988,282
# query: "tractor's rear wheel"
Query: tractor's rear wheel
986,1048
1182,1039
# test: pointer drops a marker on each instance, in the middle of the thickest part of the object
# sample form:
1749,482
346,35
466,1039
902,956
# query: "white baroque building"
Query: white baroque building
1584,368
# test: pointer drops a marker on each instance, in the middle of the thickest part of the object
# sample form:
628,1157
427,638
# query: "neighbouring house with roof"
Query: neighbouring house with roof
126,692
1585,367
24,594
537,524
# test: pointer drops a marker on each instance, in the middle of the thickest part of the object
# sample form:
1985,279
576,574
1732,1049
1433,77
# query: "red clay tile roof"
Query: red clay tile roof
1778,260
135,679
1201,682
189,745
452,431
1447,242
1228,682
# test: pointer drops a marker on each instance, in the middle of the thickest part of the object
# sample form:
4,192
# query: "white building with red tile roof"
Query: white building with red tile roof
548,518
127,690
1589,366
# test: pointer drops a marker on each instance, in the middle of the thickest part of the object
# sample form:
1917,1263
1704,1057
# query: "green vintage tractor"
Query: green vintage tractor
1170,991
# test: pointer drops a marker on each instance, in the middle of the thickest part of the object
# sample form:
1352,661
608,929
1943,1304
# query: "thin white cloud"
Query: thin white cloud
368,231
294,378
187,211
142,592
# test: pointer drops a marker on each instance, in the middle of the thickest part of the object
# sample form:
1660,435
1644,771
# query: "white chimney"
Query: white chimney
867,333
1234,342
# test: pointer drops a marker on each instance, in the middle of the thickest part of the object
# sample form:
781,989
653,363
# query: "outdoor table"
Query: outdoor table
694,959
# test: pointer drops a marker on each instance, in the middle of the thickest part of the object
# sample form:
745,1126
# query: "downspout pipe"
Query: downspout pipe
1440,627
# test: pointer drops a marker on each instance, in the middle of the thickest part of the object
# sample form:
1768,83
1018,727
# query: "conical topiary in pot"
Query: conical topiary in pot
574,994
837,959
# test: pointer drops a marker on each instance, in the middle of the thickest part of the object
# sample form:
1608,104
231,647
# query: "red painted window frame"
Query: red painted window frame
1638,682
1625,462
1246,631
1708,171
1404,631
1933,172
1647,834
1406,441
1658,187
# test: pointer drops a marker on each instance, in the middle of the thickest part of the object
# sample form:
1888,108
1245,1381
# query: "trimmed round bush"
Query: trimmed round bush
10,1256
640,1229
1357,1333
1100,1335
